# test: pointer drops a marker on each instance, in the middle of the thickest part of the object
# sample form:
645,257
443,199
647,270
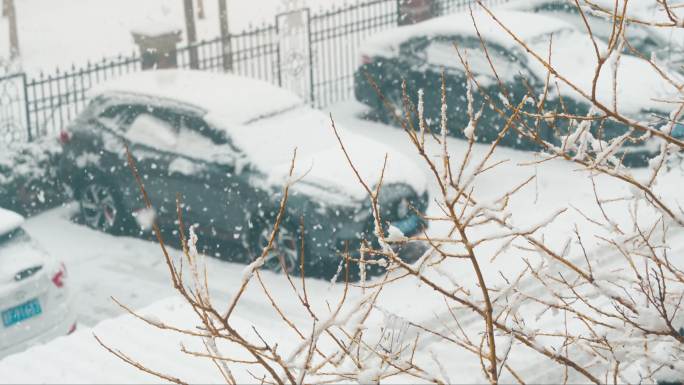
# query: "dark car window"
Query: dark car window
166,129
413,50
441,52
193,141
154,131
118,116
199,126
555,6
172,131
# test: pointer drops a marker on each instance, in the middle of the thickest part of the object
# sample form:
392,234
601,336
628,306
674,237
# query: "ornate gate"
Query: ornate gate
14,123
294,52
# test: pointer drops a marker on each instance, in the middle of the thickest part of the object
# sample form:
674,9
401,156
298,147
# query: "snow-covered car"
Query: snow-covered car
35,303
649,41
420,52
225,144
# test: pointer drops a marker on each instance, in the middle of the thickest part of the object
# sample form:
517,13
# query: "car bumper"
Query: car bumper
64,327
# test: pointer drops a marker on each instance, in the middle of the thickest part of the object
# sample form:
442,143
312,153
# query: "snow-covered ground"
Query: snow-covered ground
59,33
132,270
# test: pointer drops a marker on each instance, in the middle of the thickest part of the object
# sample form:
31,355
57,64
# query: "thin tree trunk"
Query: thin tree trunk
200,9
191,32
10,12
225,36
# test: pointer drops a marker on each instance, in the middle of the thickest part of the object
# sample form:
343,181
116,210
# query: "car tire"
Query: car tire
384,115
285,249
101,208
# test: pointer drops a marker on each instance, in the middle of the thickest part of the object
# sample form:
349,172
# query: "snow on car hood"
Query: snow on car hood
9,220
269,144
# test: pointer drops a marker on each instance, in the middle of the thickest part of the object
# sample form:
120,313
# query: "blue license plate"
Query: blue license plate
408,226
22,312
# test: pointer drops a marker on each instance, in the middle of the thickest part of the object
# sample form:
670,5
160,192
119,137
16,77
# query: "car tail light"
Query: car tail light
72,328
60,276
64,137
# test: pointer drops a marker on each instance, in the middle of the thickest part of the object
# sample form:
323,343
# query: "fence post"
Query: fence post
26,106
294,45
226,47
279,64
191,33
311,60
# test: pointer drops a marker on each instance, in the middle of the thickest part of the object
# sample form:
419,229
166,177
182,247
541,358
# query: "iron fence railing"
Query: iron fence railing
48,102
336,36
55,99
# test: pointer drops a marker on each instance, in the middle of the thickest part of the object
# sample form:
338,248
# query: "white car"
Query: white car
35,303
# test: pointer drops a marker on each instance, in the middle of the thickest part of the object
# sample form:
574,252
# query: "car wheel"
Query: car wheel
284,251
101,208
395,100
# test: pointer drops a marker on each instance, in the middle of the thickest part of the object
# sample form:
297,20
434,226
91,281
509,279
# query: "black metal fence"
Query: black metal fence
335,39
32,107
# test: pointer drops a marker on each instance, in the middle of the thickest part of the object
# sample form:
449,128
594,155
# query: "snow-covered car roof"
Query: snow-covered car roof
526,26
238,99
9,220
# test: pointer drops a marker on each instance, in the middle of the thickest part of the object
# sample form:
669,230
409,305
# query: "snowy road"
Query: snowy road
132,270
100,265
